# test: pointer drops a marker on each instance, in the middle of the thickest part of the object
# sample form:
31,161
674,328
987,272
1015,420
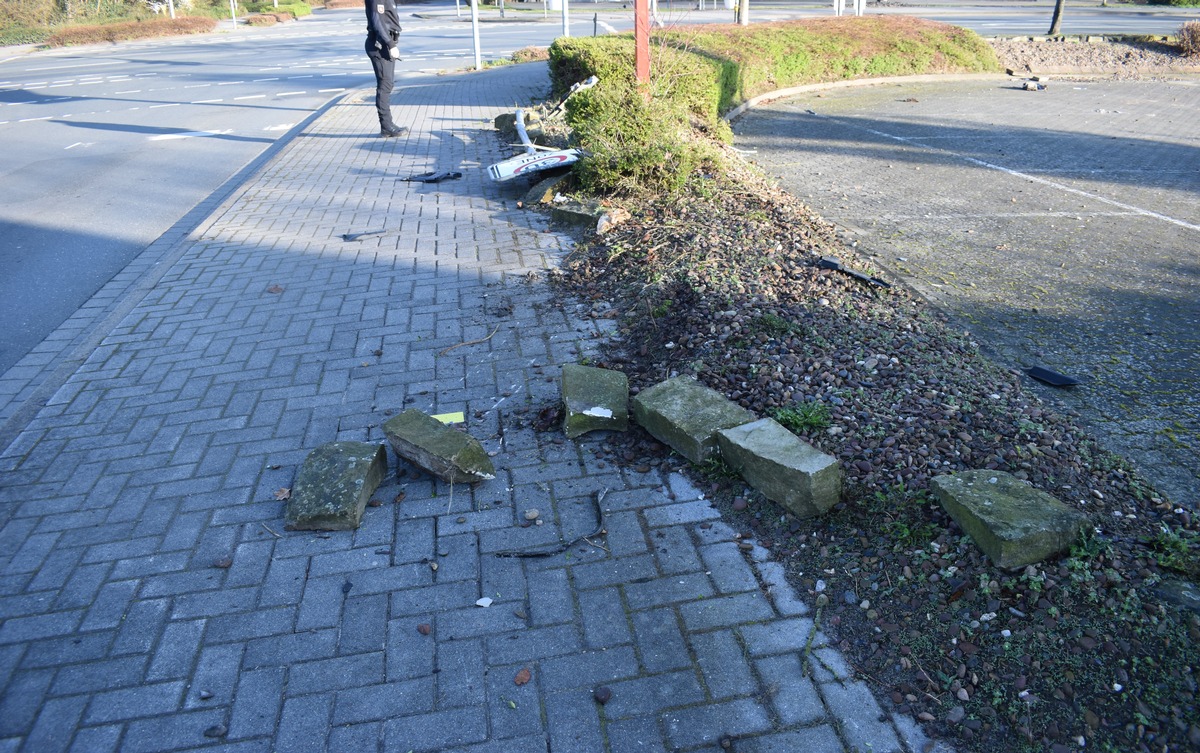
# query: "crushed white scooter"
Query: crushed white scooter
536,157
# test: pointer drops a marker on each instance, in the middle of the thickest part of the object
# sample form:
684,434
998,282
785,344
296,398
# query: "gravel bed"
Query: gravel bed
1095,650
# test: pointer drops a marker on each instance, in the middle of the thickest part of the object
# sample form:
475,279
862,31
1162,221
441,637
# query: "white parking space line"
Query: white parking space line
1027,175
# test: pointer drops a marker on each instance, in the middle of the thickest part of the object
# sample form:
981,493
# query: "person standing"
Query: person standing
383,39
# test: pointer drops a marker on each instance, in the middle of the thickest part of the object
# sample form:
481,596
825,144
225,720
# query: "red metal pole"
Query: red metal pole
641,40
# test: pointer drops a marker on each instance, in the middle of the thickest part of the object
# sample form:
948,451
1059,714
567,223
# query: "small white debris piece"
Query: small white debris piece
598,412
484,602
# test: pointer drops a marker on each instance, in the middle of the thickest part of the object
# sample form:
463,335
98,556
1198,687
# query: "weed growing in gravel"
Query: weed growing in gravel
717,470
800,418
1173,550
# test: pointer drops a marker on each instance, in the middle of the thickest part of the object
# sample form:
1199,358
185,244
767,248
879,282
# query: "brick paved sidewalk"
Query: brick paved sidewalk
150,600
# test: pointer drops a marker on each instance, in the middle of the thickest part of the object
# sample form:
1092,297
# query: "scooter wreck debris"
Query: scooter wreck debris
538,158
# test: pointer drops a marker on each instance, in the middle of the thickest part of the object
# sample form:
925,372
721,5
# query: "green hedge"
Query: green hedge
118,32
647,137
296,9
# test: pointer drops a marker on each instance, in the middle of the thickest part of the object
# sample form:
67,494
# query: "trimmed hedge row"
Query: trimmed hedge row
297,10
652,137
126,30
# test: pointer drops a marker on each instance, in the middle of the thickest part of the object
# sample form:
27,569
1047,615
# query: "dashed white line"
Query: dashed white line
206,101
259,80
30,120
250,96
196,86
289,94
130,91
327,91
169,104
229,83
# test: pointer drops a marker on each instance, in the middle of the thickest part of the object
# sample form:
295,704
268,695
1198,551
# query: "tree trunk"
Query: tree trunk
744,12
1056,22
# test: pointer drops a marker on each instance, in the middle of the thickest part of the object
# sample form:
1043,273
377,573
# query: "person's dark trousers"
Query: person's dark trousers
385,75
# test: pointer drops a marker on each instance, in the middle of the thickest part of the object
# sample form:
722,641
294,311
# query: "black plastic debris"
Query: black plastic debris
828,262
1052,378
360,236
434,177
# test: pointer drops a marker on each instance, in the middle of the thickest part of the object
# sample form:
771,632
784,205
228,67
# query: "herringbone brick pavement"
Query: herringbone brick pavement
151,601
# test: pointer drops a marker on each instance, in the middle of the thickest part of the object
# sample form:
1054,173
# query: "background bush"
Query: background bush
1189,38
116,32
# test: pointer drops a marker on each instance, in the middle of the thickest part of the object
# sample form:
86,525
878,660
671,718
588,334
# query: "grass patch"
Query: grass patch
803,418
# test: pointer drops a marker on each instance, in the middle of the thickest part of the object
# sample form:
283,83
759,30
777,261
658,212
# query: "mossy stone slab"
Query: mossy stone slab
447,453
1012,522
333,486
687,416
594,399
781,466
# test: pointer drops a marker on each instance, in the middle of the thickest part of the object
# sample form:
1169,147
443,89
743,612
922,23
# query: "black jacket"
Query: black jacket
383,26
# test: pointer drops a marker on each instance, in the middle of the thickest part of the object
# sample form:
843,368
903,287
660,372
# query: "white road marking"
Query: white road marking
80,143
327,91
75,65
130,91
230,83
290,94
1030,177
257,80
206,101
196,86
30,120
250,96
189,135
169,104
280,127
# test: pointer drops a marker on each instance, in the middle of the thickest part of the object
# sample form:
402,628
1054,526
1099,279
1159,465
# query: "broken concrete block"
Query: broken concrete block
572,212
687,416
447,453
544,190
594,399
1013,523
333,486
782,467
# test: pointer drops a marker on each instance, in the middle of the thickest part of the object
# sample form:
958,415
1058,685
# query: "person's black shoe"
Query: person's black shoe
393,132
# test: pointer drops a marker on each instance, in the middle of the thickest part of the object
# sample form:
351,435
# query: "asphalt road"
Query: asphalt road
1060,227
